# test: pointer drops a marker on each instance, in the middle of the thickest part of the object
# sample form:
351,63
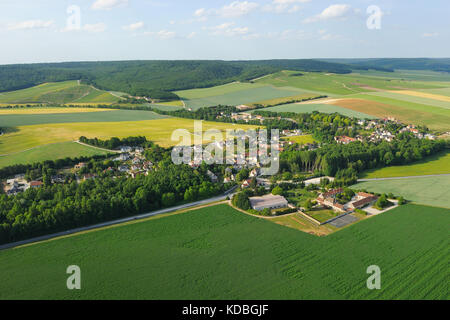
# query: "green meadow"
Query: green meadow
220,253
50,152
432,191
58,93
436,164
334,84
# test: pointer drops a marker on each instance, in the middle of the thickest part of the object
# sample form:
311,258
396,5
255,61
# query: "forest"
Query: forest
57,207
155,78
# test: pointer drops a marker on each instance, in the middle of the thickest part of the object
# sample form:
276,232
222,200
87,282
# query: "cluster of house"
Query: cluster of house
246,116
411,128
18,184
360,200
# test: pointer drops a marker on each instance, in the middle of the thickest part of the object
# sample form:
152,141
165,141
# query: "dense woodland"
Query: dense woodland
58,207
390,64
153,78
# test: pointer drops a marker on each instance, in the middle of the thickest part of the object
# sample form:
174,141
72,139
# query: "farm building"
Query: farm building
268,202
363,200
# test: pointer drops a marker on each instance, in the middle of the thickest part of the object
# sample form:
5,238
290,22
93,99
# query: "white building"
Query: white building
268,202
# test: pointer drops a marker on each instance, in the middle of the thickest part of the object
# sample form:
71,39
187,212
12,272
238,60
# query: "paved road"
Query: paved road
408,177
118,221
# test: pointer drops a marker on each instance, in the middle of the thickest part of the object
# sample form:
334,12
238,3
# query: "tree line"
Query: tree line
114,143
348,160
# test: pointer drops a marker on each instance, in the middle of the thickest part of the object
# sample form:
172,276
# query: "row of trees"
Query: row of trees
115,143
346,160
57,207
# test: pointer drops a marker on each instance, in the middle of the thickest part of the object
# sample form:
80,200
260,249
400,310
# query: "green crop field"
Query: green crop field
325,108
216,91
436,164
50,152
431,191
333,84
16,120
58,93
235,94
220,253
165,107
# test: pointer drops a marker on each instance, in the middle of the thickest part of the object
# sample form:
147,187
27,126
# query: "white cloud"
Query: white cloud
134,26
162,34
284,6
227,29
31,24
334,11
233,10
108,4
94,28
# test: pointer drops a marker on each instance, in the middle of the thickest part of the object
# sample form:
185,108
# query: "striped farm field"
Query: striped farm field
158,131
16,120
436,164
424,95
441,91
50,152
434,117
409,98
235,94
432,191
216,91
48,110
220,253
325,108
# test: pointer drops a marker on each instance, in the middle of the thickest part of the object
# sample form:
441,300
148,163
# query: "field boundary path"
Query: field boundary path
118,221
407,177
98,148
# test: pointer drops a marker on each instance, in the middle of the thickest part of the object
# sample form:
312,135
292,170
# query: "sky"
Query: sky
102,30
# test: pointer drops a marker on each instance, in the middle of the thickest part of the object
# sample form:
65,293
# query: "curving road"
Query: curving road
118,221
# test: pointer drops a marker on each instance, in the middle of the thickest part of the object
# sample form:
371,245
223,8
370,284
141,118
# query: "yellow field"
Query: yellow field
300,139
49,110
423,95
159,131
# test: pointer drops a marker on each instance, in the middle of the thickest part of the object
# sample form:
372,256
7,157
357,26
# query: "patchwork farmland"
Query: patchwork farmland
193,255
